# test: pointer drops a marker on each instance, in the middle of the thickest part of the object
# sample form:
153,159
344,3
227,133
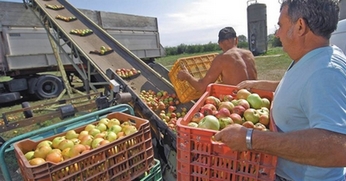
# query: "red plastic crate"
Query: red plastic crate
124,159
199,158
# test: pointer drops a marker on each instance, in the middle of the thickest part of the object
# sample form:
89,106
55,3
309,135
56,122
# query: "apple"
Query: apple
254,100
226,97
29,155
171,108
65,144
82,134
223,112
89,127
192,124
94,131
212,100
226,104
251,115
104,142
208,109
242,94
115,128
71,134
42,151
37,161
111,136
264,119
104,121
76,150
101,127
86,140
45,142
248,124
65,153
209,122
225,121
197,117
54,157
236,118
130,130
260,126
113,121
244,103
57,140
96,142
265,103
238,110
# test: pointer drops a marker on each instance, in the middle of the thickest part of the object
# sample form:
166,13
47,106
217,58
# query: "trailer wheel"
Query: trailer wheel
27,113
48,86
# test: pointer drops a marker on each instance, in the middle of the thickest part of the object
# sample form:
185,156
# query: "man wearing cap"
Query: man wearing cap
233,64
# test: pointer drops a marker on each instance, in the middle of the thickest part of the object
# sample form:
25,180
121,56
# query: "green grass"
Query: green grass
270,66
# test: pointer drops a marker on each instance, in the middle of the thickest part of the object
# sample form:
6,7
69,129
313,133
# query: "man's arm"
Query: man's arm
319,147
268,85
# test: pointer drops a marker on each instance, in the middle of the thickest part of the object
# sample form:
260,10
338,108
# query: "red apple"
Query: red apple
236,118
223,112
208,109
197,117
226,104
212,100
244,103
238,110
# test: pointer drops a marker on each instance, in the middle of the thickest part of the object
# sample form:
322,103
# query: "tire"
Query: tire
48,86
27,113
9,97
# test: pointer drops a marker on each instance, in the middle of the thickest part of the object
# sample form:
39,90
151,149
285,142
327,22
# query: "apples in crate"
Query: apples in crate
238,107
75,142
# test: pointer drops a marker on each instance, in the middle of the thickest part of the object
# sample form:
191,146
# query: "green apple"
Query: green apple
57,140
104,121
209,122
111,136
251,115
71,134
94,131
192,124
254,100
101,127
96,142
42,151
29,155
89,127
115,128
265,103
225,121
45,142
65,144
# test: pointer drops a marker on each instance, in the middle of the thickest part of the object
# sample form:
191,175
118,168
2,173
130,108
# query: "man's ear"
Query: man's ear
302,27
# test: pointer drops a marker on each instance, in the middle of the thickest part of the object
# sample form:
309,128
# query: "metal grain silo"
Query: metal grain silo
257,27
342,5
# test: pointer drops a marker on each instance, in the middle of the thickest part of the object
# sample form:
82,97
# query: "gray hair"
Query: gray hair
321,16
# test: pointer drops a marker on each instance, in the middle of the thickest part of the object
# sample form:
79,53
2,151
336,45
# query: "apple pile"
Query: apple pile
241,107
165,105
73,143
81,32
127,73
67,19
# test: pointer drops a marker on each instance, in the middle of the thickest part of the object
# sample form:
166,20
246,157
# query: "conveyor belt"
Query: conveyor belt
120,58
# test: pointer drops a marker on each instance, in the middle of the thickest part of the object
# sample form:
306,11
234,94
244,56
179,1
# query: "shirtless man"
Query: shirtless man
234,65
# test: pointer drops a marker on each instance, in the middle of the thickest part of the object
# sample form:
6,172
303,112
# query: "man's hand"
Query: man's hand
183,74
247,84
233,136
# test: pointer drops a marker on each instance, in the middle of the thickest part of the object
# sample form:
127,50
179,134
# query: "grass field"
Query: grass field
270,66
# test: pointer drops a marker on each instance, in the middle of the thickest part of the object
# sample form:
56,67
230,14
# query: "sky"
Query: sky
187,21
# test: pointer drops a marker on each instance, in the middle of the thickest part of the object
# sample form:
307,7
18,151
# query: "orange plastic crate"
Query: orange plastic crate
198,67
199,158
124,159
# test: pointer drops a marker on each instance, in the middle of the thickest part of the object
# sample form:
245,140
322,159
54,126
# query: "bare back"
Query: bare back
237,65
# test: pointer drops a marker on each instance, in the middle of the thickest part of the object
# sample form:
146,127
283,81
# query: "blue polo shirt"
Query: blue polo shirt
312,94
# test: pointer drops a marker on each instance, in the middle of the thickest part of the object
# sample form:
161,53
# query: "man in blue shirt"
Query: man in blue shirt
309,106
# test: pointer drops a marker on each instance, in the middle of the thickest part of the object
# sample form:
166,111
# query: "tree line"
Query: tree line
210,47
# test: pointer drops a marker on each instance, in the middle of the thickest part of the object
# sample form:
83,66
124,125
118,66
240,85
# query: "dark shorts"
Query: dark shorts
278,178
